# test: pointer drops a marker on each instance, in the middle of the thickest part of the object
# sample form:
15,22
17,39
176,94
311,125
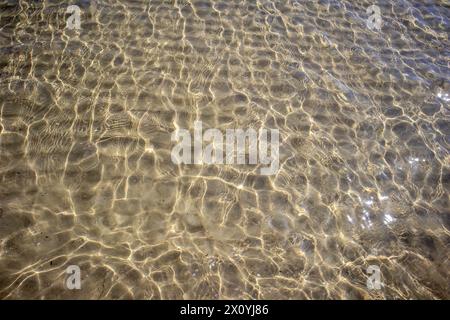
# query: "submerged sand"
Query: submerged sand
85,141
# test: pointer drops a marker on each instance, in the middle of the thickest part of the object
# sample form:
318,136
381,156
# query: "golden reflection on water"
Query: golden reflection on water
87,179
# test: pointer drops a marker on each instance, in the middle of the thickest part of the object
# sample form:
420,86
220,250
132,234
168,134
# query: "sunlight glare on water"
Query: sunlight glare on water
87,180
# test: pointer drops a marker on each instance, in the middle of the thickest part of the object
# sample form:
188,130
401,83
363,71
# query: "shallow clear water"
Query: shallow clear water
85,140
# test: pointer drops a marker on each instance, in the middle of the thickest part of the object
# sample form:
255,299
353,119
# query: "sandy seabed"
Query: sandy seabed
86,176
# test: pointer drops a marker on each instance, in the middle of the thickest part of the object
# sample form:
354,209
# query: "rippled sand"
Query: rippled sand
87,179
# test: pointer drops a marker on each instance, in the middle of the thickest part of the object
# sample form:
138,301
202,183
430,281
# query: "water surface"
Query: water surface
87,178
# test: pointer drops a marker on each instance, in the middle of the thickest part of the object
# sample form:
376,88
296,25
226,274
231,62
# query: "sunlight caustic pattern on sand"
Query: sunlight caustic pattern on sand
88,107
